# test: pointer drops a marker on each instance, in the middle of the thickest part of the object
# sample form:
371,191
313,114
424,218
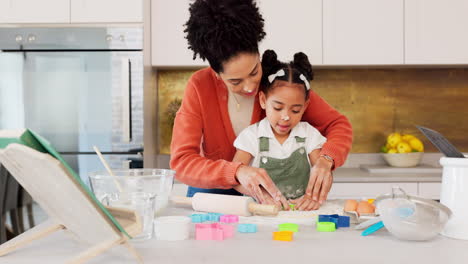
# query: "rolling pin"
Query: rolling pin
226,204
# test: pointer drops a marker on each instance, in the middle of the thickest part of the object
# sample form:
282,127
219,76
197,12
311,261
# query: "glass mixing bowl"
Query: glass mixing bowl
156,182
410,217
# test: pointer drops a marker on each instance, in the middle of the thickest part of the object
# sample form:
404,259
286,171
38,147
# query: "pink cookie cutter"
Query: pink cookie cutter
213,231
229,218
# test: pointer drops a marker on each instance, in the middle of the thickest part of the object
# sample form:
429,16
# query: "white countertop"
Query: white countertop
359,175
346,245
351,172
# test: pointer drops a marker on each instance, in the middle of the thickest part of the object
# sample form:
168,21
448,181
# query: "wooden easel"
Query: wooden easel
67,204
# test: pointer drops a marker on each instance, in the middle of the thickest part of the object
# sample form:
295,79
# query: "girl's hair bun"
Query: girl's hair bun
269,62
301,62
270,65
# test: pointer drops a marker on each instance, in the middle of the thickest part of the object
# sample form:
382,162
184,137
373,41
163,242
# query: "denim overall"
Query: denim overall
291,174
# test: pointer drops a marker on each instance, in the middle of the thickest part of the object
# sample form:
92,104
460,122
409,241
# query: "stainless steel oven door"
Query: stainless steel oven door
75,99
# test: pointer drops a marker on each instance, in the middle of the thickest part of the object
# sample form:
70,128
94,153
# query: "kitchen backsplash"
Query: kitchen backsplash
376,101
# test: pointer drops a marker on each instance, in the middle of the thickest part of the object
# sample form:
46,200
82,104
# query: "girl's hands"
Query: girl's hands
258,184
320,182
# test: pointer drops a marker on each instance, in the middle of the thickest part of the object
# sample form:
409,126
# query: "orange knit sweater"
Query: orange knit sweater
202,140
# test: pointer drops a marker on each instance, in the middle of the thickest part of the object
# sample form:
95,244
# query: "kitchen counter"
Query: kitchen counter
351,171
360,175
356,183
343,246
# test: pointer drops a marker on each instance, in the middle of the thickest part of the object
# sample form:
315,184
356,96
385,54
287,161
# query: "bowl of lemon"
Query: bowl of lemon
402,150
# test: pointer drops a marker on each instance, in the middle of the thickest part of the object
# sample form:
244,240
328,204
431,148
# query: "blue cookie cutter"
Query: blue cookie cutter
199,218
214,217
247,228
339,220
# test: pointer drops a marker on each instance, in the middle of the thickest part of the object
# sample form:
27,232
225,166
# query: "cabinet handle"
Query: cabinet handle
130,128
126,100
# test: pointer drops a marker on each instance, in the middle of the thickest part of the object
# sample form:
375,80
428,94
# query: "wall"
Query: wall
377,102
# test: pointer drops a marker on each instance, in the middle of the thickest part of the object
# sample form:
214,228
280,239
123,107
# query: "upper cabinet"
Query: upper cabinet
290,28
436,32
362,32
168,44
71,11
106,11
335,32
34,11
293,27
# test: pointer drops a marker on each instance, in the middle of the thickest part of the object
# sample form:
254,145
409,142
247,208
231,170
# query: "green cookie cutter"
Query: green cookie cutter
326,227
288,227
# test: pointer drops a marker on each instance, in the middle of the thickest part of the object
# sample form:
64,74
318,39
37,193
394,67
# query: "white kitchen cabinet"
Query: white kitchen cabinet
71,11
34,11
368,190
106,11
436,32
168,44
290,28
363,32
293,27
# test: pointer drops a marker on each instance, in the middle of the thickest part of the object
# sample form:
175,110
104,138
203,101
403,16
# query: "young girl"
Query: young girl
280,143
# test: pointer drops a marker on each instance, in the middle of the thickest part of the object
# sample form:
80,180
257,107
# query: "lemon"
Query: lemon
416,144
393,139
403,147
407,137
392,150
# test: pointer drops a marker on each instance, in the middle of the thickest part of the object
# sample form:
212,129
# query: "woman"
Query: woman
222,100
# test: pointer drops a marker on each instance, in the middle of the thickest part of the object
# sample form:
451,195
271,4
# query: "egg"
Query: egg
350,205
364,207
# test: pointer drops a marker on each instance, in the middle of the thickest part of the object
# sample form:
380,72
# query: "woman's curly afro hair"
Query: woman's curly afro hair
218,30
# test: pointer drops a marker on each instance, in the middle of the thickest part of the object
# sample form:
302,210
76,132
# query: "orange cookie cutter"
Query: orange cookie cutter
283,235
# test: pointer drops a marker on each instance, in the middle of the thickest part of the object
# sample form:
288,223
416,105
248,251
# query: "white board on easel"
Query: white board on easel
68,205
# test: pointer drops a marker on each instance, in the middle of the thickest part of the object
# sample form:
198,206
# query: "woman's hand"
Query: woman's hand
269,199
266,195
320,182
258,184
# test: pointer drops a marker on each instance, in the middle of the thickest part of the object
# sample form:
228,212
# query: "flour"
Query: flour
297,217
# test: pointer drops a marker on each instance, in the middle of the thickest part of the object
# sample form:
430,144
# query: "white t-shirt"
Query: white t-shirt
240,117
248,140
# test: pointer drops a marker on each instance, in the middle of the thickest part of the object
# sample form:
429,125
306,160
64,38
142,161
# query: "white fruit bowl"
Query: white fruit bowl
403,160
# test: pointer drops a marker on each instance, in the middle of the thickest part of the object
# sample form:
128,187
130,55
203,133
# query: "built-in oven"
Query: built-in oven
77,87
